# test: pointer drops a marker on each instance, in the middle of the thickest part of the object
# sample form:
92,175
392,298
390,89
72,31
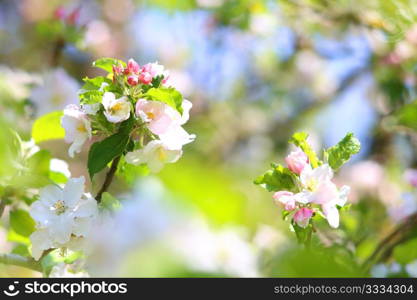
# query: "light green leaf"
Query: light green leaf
406,252
106,63
169,96
300,140
21,222
339,154
109,202
48,127
277,179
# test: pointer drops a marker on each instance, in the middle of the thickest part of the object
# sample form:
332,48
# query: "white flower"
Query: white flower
319,189
155,154
77,128
58,90
115,110
91,109
60,214
411,268
63,270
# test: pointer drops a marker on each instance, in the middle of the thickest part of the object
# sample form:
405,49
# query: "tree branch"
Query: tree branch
109,178
396,237
17,260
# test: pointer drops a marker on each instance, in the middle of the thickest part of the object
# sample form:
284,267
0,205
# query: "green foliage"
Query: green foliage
303,234
90,92
21,222
55,257
300,140
169,96
106,63
110,203
341,153
48,127
103,152
278,178
406,252
407,115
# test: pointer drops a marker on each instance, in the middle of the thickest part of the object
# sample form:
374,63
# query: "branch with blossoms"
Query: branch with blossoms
133,116
304,188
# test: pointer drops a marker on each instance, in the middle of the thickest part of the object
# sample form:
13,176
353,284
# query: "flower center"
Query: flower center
81,128
115,108
161,154
150,115
59,207
311,184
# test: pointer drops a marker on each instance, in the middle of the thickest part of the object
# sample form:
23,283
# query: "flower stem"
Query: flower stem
17,260
109,178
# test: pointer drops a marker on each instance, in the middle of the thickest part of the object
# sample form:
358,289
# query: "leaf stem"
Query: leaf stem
109,178
17,260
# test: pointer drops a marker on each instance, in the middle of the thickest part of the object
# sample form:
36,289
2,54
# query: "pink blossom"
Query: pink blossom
296,161
145,78
158,115
132,80
302,217
411,177
286,199
59,13
117,70
132,67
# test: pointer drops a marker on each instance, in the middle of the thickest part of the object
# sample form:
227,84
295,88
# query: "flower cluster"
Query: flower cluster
318,194
62,216
135,111
304,188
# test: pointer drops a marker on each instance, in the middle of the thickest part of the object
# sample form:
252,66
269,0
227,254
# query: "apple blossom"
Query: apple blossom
158,115
116,110
60,214
286,199
296,161
302,217
133,80
77,128
132,67
155,154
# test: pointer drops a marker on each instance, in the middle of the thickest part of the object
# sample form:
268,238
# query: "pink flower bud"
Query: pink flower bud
132,80
145,78
117,70
285,199
59,13
302,217
132,67
73,17
296,161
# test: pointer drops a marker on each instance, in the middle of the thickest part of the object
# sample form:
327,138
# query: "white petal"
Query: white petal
73,191
61,230
82,226
86,208
176,137
186,106
343,195
135,157
40,242
41,213
332,215
108,98
50,194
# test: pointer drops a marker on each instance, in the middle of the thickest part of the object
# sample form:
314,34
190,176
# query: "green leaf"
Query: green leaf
109,202
169,96
406,252
39,162
407,115
303,234
339,154
55,257
300,140
106,63
48,127
103,152
13,236
277,179
21,222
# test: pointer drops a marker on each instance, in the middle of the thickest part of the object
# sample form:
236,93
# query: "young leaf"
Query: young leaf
277,179
339,154
106,63
169,96
300,140
48,127
103,152
21,222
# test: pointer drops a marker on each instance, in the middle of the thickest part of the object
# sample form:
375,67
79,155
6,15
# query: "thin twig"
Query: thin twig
109,178
17,260
391,240
57,51
2,206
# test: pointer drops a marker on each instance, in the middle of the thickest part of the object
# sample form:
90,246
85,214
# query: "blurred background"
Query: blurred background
256,72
